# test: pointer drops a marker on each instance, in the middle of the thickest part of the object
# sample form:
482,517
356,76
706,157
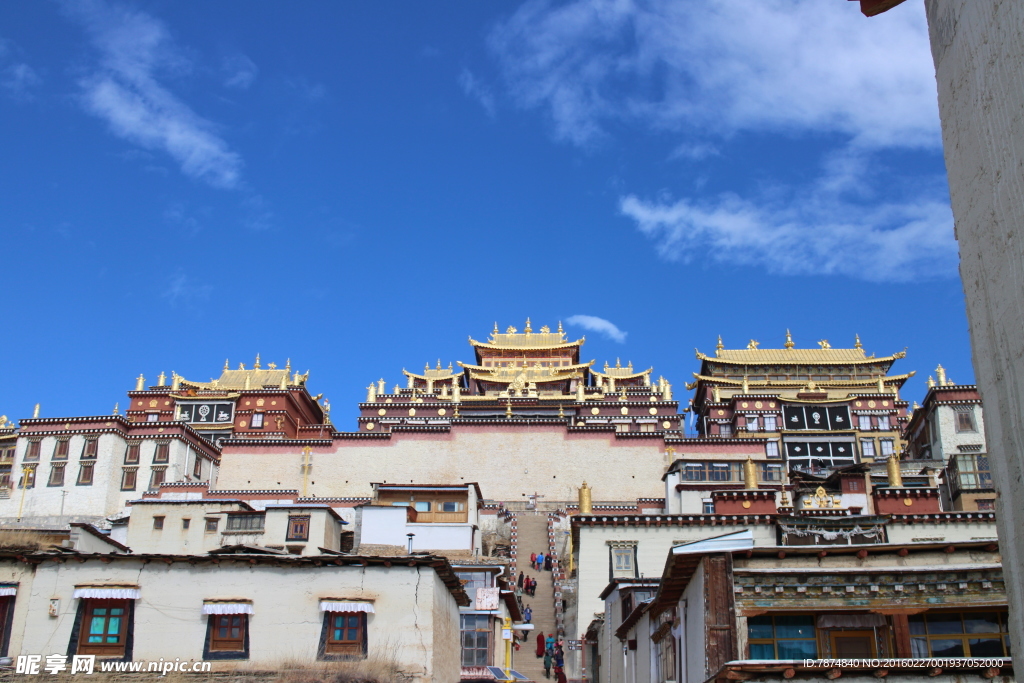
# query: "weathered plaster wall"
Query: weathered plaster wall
694,634
978,48
411,619
508,462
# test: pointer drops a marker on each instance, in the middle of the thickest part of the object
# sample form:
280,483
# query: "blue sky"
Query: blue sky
359,186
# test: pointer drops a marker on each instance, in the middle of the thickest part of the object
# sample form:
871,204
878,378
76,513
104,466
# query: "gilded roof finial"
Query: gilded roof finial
272,366
288,365
438,363
284,381
256,365
719,346
35,411
226,364
161,380
175,381
752,344
824,344
117,409
940,373
915,406
495,327
241,366
931,382
856,342
140,383
630,366
618,363
789,340
559,327
528,330
426,367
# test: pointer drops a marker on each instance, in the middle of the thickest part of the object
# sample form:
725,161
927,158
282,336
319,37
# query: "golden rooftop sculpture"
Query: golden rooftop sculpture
513,339
789,341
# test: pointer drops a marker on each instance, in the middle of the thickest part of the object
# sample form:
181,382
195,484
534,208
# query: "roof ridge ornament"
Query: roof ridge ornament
823,343
856,342
752,345
789,340
720,346
256,365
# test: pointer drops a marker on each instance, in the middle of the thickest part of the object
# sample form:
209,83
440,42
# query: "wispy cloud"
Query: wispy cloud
18,80
182,290
478,91
239,71
599,325
827,229
721,68
124,90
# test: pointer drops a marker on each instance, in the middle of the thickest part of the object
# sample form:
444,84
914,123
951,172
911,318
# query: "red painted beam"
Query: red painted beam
871,8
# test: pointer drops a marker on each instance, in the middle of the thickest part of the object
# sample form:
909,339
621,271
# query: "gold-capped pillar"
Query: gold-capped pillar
585,503
35,414
140,383
895,476
940,373
161,381
750,475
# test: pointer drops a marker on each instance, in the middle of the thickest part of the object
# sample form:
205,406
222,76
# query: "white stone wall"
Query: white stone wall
958,532
509,464
978,48
415,619
948,438
55,506
174,538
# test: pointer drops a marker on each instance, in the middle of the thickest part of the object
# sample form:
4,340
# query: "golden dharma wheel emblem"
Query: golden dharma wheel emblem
441,411
595,411
652,411
624,410
758,404
721,412
273,403
857,403
871,404
653,399
666,425
746,504
885,404
152,404
412,411
260,402
908,502
745,404
242,423
370,426
382,412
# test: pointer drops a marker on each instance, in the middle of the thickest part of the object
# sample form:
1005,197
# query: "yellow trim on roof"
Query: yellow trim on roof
792,356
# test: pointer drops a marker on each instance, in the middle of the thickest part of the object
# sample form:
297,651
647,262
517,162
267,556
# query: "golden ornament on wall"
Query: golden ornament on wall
624,410
382,412
260,402
370,425
666,425
885,404
412,411
595,411
721,412
908,502
871,404
140,403
441,411
746,504
242,423
653,411
744,404
152,404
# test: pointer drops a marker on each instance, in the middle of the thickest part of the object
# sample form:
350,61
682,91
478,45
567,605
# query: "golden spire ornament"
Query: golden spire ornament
789,340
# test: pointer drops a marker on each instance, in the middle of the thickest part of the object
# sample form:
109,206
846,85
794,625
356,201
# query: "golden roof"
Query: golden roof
512,339
887,379
533,373
256,377
825,355
619,372
435,374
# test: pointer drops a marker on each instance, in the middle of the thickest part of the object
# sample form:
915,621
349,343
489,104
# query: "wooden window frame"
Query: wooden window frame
157,476
248,526
91,448
966,413
212,525
476,629
132,453
295,532
775,639
33,450
197,467
964,637
55,469
86,473
61,449
162,453
216,647
331,649
106,650
261,417
129,475
158,522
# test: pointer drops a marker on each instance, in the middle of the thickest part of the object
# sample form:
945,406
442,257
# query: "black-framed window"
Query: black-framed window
91,448
129,477
959,634
60,451
56,475
245,523
475,632
298,528
86,470
257,421
227,637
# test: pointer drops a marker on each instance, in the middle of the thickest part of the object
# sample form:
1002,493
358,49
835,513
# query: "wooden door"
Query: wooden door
104,628
853,644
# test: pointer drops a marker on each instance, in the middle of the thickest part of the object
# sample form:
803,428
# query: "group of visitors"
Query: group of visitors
551,650
541,562
527,585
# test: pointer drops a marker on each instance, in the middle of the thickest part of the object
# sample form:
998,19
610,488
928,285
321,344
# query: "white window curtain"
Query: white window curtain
887,447
770,424
111,593
346,606
864,421
883,422
751,423
227,608
8,590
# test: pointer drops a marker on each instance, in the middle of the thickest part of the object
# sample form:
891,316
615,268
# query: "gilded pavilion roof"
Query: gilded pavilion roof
435,374
255,377
790,355
513,339
506,374
619,372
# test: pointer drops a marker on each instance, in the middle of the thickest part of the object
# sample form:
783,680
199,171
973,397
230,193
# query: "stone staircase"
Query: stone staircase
533,537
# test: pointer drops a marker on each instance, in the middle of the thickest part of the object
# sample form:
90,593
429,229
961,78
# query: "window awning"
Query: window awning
227,607
8,590
346,606
107,592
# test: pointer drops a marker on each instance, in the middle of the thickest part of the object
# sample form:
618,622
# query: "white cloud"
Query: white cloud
124,91
240,72
600,325
722,67
183,290
473,88
818,231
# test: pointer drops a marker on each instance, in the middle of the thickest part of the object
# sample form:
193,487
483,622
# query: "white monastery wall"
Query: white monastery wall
508,464
978,49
